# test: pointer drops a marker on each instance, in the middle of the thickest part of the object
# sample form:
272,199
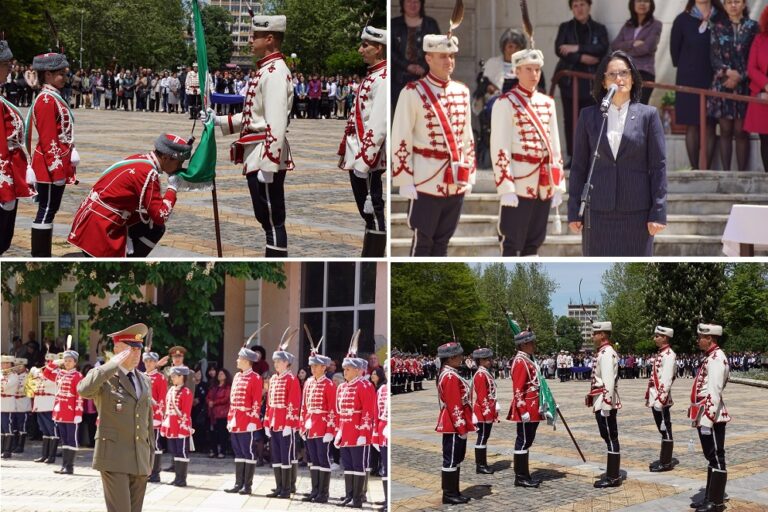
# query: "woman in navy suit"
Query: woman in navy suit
629,194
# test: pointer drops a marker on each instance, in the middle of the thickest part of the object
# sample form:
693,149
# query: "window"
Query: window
60,316
337,298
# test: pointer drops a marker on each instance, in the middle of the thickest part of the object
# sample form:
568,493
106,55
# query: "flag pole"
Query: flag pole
216,219
565,423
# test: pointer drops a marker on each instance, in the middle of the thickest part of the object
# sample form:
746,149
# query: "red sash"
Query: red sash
539,128
359,127
445,127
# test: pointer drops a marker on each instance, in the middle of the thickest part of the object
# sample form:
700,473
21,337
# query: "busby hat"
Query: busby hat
133,335
151,356
525,337
261,23
440,43
20,361
71,353
528,56
49,62
173,146
5,51
602,327
352,361
248,354
282,354
7,359
482,353
709,329
664,331
179,370
374,35
314,356
450,349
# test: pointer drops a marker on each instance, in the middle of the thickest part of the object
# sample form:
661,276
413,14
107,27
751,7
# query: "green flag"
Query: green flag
202,165
512,324
547,401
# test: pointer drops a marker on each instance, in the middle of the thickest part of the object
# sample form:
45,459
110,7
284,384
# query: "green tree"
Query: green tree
680,295
426,298
744,306
217,23
190,288
569,334
623,303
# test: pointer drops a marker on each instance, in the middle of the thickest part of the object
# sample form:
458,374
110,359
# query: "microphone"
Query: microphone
606,103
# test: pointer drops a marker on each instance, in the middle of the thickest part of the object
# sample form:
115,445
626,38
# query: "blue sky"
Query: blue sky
567,276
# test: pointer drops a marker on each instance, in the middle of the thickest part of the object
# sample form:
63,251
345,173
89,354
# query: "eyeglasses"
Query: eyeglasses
733,2
615,75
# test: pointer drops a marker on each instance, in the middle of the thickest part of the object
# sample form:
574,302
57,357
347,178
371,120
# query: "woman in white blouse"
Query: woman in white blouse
629,196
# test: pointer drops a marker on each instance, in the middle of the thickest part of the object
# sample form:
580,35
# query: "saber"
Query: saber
565,423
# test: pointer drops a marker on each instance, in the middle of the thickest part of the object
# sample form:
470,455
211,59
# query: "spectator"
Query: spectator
261,366
200,421
757,69
314,94
90,414
173,93
639,38
581,43
129,84
689,46
408,31
730,42
30,77
218,408
499,68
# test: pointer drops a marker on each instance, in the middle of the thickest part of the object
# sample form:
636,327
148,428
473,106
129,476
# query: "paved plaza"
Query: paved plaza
567,481
322,218
26,486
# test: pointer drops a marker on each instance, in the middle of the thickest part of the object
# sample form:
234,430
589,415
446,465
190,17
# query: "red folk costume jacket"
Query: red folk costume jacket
356,405
55,126
318,408
177,422
14,158
454,394
283,402
381,432
67,405
484,409
126,194
525,389
245,402
159,391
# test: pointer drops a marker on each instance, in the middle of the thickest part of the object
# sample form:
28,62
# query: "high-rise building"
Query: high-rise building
583,313
240,28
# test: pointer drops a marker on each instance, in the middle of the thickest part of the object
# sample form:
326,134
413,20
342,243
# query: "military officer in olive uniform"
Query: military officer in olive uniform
124,439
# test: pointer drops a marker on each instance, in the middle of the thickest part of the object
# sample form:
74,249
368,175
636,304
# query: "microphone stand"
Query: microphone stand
586,194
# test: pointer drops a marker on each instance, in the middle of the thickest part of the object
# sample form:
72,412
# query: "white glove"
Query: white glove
657,408
209,114
8,205
360,441
59,183
74,158
361,174
267,431
174,180
706,431
525,417
78,419
287,431
58,362
510,200
409,192
605,413
466,189
327,438
557,199
464,436
265,176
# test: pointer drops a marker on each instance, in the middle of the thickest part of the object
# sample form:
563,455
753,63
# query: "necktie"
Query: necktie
133,383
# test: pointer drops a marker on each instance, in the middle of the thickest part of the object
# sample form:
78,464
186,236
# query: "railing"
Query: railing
702,93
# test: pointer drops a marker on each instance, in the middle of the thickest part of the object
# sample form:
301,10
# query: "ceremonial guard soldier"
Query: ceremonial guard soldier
485,410
55,158
433,149
243,419
318,422
381,432
192,89
527,164
14,158
263,148
709,415
356,405
561,365
159,388
10,382
524,410
363,149
67,405
394,371
418,379
604,400
125,212
282,418
42,406
23,406
124,441
658,396
455,419
177,423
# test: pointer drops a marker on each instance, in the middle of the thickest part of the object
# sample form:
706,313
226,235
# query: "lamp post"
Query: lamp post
82,14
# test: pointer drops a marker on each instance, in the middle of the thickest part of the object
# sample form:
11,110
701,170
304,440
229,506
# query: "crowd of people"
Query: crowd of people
202,402
714,45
